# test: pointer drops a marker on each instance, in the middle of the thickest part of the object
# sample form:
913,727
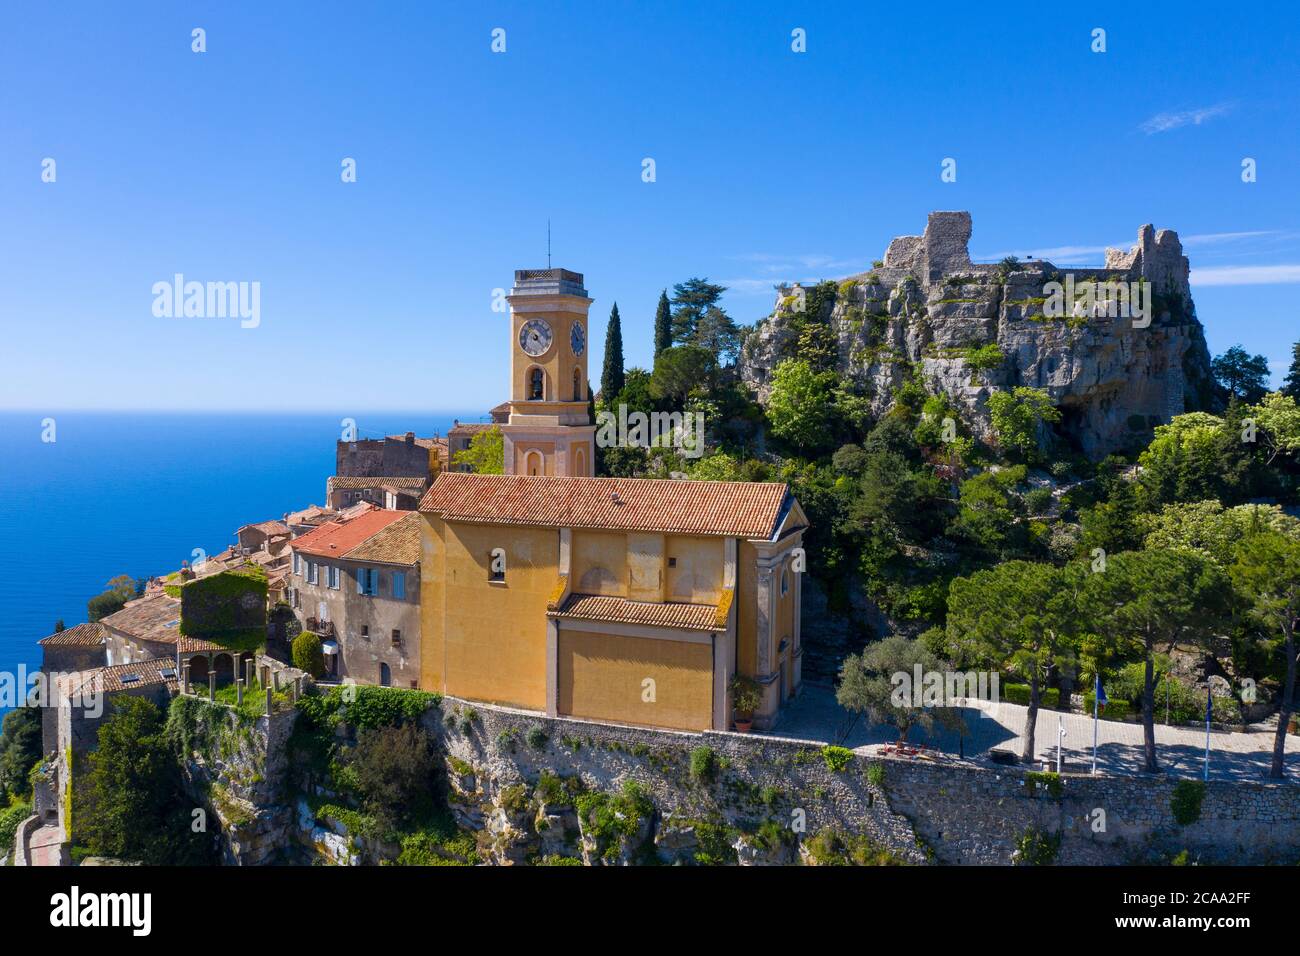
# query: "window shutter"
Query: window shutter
361,580
399,585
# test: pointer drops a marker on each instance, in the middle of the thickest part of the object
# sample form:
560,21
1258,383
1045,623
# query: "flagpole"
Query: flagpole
1060,742
1095,704
1207,733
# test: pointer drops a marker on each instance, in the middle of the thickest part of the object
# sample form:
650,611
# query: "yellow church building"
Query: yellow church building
623,600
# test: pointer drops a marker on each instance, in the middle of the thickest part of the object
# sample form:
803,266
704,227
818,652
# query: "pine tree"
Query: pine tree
611,376
1291,384
691,300
663,324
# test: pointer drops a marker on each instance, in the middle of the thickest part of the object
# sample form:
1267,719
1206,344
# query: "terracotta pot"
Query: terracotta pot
743,726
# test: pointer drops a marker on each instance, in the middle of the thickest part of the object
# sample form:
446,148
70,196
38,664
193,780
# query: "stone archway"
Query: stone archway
224,667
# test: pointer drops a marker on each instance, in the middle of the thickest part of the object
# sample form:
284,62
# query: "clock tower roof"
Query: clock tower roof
548,282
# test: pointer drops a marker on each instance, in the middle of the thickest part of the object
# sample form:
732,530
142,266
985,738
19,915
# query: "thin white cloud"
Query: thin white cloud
1246,275
1209,238
1163,122
749,286
782,264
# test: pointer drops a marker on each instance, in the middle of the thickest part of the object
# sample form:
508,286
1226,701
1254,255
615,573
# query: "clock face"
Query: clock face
578,338
535,337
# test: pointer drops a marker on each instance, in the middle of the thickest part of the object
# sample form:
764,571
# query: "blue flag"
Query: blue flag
1209,706
1100,692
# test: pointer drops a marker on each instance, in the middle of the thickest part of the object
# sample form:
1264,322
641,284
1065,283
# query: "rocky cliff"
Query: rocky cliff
927,308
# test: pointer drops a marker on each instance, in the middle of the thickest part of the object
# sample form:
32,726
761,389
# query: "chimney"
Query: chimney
410,438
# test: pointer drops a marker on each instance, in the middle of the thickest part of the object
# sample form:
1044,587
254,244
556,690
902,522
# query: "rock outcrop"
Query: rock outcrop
926,308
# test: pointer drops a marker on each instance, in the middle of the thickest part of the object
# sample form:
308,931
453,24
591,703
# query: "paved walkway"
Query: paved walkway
816,715
47,846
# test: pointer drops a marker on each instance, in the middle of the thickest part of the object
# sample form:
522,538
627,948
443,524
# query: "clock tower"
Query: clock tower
549,431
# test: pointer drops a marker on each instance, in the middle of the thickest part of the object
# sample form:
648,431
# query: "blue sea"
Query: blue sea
135,493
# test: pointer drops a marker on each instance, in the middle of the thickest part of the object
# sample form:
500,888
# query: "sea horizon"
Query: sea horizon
135,492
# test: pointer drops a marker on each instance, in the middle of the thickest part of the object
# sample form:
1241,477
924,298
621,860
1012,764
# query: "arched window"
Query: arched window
536,384
577,385
580,463
533,465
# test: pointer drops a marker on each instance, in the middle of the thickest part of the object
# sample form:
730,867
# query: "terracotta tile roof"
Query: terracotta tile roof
312,513
471,428
731,508
336,539
154,617
109,680
394,481
188,645
588,607
83,635
421,442
398,543
267,527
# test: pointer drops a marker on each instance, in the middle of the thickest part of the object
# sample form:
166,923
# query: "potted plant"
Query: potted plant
745,698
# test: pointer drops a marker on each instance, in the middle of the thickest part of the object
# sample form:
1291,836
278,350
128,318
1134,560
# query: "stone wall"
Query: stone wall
237,770
952,812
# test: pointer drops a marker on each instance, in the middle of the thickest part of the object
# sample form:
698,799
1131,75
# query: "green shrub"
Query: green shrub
837,758
876,775
514,799
307,654
536,738
386,706
394,773
9,820
1051,782
832,848
1037,848
1048,697
1115,709
704,765
1185,803
609,818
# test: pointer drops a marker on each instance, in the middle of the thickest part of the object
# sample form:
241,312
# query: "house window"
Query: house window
367,581
313,572
536,378
333,576
785,582
397,638
672,562
297,563
365,632
399,585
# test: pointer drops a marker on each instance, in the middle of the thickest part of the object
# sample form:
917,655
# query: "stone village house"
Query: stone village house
357,585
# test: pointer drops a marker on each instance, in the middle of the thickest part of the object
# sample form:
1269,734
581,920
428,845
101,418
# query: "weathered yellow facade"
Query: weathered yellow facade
636,680
608,599
505,638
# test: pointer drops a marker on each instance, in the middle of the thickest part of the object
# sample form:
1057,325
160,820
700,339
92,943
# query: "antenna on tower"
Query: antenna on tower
548,243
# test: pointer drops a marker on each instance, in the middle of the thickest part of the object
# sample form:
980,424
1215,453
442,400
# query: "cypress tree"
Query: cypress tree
663,324
611,376
1291,384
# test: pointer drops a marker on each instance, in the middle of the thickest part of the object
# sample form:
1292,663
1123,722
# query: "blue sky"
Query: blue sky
771,165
